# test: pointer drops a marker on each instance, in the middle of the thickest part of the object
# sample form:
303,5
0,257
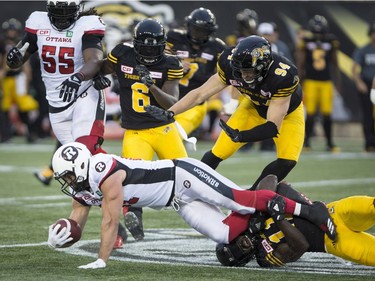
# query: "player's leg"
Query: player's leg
45,176
288,151
167,143
310,100
244,118
191,119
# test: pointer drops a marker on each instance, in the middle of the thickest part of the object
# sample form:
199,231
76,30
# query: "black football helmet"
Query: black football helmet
247,22
318,24
149,41
200,24
12,29
238,252
253,55
63,13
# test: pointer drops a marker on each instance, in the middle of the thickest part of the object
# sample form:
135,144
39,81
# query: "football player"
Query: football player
146,76
198,50
317,64
69,44
286,238
272,107
188,185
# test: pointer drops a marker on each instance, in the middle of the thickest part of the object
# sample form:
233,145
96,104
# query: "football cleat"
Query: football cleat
45,176
322,219
119,243
134,225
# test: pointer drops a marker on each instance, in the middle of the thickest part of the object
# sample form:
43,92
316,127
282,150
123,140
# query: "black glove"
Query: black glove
144,75
15,56
159,113
101,82
69,88
234,134
276,208
257,222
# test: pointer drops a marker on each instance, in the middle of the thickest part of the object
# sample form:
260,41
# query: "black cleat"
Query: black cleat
134,225
321,217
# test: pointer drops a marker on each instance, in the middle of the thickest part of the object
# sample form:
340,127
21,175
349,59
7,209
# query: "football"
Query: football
75,230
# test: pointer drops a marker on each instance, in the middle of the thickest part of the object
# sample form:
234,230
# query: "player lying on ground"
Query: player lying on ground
188,185
295,235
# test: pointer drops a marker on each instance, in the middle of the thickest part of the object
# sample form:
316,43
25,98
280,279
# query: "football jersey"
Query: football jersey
281,81
60,52
147,183
134,95
271,237
202,61
319,56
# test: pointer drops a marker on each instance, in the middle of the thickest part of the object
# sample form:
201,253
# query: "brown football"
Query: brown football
75,230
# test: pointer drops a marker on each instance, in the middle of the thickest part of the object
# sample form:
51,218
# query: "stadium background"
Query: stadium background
348,20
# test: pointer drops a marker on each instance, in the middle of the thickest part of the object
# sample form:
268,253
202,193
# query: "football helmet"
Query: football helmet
70,164
12,29
238,252
251,59
318,24
149,41
63,13
200,24
247,22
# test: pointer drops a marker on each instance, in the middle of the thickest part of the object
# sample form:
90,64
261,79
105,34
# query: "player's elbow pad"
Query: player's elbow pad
262,132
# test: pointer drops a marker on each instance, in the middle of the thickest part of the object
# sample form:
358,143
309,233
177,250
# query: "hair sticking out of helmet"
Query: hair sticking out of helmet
251,59
70,164
238,252
318,24
63,13
149,41
200,25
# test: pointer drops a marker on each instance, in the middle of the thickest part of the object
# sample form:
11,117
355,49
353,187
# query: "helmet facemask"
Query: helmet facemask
63,14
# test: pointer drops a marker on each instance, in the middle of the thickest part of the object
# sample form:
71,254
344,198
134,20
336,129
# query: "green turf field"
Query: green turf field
27,208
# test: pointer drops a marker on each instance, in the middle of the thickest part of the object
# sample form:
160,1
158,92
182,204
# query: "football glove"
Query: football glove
257,222
15,56
276,208
159,113
101,82
372,96
99,263
234,134
69,88
57,239
144,75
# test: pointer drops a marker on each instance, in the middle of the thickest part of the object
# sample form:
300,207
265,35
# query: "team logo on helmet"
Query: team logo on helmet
70,153
259,54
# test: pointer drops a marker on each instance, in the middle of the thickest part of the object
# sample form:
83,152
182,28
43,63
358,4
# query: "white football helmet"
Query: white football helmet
63,13
70,164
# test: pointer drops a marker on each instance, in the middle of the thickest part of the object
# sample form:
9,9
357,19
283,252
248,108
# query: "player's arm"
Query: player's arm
92,55
168,94
113,199
199,95
277,110
107,67
296,244
79,213
18,55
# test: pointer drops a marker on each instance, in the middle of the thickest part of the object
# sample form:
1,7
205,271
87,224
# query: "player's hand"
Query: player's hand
234,134
69,88
101,82
99,263
159,113
15,56
276,208
144,75
55,239
372,96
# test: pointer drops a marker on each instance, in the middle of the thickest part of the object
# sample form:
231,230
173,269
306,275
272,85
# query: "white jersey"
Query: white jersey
60,52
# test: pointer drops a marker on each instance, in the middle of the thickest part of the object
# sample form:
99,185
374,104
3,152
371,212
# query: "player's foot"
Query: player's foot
119,243
45,176
122,232
321,217
134,225
333,149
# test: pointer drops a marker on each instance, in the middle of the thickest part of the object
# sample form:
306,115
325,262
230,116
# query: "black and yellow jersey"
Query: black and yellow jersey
134,95
202,61
319,56
281,81
272,236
